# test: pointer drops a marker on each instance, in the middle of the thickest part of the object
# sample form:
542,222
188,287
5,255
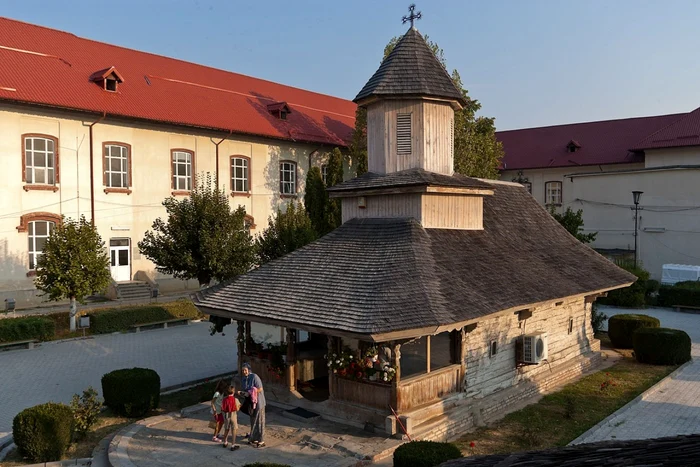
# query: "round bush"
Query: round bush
661,346
621,327
425,454
43,433
131,392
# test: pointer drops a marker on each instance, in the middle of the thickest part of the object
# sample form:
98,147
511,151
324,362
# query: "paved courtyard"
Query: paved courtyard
56,370
670,408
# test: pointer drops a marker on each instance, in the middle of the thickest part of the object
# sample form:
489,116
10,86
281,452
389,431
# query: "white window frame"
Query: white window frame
553,196
242,163
182,182
33,252
324,173
31,169
288,178
123,158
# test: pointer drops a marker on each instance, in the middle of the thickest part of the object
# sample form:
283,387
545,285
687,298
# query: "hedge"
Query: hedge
43,433
621,328
132,392
632,296
121,319
425,454
661,346
29,327
683,293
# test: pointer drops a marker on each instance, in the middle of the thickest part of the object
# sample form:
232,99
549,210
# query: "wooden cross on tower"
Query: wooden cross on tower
413,16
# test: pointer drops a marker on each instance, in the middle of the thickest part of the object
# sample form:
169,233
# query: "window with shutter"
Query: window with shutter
403,134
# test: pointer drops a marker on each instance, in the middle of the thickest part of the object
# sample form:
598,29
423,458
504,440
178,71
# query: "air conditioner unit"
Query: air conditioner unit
534,347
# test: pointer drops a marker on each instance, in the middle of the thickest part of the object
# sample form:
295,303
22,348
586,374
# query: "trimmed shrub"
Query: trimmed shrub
85,409
132,392
621,328
632,296
29,327
43,433
425,454
661,346
121,319
683,293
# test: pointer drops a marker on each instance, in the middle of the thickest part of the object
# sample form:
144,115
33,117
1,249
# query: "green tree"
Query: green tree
316,200
74,264
334,176
573,223
285,232
477,152
202,238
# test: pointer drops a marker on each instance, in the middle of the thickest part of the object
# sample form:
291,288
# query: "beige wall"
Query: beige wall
121,215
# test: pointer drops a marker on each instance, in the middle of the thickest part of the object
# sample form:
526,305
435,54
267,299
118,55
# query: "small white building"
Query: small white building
596,166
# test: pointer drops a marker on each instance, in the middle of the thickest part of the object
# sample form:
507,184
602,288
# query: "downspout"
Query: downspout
312,153
230,132
92,172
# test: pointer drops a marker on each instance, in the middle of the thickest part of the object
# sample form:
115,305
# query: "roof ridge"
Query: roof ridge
679,114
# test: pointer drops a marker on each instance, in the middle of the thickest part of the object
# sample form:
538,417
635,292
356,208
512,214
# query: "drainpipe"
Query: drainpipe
230,132
92,172
312,153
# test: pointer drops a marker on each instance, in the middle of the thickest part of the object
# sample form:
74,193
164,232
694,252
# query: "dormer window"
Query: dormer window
573,145
108,79
279,109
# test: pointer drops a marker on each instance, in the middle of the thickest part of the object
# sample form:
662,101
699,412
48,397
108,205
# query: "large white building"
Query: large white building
596,166
92,129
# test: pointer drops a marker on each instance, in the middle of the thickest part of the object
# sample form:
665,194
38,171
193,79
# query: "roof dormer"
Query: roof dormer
108,79
573,146
279,110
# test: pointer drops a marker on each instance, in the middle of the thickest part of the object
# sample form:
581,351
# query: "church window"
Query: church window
403,134
288,178
552,193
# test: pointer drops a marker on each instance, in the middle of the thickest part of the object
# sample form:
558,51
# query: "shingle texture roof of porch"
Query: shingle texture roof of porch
373,276
406,178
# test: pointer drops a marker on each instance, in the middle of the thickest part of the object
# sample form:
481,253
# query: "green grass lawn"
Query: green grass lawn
560,417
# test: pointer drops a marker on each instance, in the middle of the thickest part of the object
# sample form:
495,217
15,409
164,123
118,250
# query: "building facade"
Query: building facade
596,166
111,144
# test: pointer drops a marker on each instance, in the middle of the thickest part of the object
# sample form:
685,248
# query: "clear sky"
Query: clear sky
530,63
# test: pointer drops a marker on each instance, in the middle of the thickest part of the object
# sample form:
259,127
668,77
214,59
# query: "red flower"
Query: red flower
359,375
471,445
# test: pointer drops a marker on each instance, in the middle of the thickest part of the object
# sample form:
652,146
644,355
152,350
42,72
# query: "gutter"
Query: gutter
666,168
92,172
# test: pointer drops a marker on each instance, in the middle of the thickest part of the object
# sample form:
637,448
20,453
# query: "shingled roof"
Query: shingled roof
675,450
683,132
373,276
407,178
411,69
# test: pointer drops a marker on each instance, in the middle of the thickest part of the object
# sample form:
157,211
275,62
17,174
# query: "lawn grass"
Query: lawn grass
560,417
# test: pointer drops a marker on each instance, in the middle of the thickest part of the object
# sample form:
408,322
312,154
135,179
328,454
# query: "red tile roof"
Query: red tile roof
682,132
605,142
53,68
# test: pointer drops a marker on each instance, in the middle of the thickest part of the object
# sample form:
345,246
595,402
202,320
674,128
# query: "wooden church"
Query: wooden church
441,298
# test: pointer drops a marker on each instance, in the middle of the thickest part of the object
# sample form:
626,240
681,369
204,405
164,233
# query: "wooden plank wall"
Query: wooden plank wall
401,205
437,141
423,389
381,136
442,211
367,394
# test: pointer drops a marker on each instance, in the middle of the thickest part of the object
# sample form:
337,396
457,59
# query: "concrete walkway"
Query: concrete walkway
173,440
54,371
672,407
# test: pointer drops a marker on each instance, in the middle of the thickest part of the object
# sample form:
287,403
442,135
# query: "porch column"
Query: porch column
462,355
395,362
332,346
248,338
240,341
291,359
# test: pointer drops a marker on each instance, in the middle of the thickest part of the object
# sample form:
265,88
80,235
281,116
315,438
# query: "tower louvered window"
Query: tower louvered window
403,134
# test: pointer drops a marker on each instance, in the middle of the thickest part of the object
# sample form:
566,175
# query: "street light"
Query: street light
635,197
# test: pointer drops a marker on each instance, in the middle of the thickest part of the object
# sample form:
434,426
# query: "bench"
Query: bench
161,324
28,344
687,309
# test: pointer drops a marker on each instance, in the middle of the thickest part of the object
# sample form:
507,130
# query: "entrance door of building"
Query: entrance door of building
120,259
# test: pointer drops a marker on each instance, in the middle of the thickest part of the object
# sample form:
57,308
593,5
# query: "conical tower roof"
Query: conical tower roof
411,70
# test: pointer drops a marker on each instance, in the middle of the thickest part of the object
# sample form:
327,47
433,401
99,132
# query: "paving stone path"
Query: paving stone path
670,408
55,371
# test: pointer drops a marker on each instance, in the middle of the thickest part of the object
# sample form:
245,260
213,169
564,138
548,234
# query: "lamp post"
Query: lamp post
635,197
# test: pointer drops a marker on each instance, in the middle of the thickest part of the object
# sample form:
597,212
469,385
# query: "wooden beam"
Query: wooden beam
396,363
427,354
291,359
240,341
462,336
